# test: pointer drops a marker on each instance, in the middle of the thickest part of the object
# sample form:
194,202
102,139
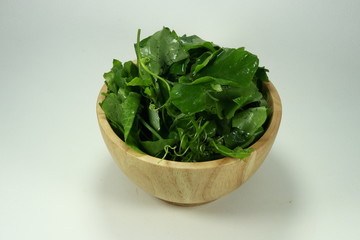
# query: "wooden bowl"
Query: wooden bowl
184,183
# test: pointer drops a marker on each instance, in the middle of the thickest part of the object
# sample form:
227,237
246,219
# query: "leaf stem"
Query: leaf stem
156,134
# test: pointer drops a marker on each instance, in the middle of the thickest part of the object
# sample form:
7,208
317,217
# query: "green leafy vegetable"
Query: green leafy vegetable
235,65
187,99
123,113
155,147
237,152
250,119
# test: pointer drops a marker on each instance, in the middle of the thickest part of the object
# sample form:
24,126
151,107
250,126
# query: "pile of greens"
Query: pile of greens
186,99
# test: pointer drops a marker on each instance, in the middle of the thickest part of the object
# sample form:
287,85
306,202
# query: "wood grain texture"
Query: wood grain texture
184,183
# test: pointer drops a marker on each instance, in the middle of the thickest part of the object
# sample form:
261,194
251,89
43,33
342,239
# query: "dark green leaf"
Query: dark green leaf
121,113
189,98
211,129
133,141
112,109
161,50
246,96
131,70
193,42
261,74
212,80
113,78
236,153
204,60
128,112
250,119
235,65
258,133
155,147
236,138
179,68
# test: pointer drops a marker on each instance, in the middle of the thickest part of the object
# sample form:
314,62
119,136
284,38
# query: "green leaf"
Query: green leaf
189,98
204,60
235,138
235,65
236,153
261,74
241,138
179,68
250,120
231,99
161,50
259,132
216,87
121,113
213,80
241,101
154,118
112,109
133,141
113,78
211,129
128,112
116,78
140,82
193,42
155,147
131,70
247,98
123,93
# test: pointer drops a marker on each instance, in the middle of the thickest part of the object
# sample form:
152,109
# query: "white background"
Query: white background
57,180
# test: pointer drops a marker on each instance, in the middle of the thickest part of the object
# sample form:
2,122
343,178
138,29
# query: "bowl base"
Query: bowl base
186,204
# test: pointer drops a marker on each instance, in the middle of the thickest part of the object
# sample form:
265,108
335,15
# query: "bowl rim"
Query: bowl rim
272,128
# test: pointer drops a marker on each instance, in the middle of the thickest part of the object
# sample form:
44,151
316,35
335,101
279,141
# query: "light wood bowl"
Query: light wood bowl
184,183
